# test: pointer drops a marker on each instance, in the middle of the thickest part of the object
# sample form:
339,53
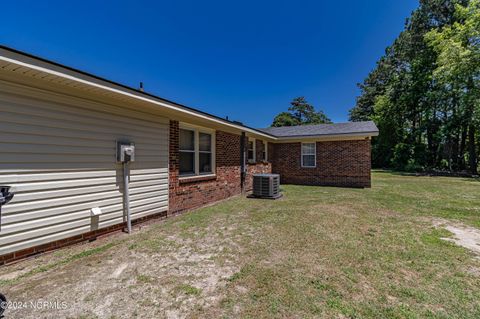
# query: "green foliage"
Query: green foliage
300,113
402,154
458,67
458,47
424,92
285,119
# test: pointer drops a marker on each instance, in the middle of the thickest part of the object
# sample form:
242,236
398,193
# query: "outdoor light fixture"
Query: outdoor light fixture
5,197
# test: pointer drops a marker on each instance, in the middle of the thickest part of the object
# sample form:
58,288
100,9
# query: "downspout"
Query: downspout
242,162
125,155
126,195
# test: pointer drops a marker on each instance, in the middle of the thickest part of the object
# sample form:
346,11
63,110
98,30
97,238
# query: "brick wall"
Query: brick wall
258,168
339,163
271,152
199,191
195,192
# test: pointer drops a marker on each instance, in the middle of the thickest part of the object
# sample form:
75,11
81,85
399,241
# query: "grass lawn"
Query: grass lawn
318,252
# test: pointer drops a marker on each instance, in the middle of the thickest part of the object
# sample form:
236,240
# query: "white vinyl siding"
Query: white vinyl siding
58,153
309,155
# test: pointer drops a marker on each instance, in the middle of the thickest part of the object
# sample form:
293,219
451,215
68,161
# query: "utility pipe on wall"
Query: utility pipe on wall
125,155
126,195
242,161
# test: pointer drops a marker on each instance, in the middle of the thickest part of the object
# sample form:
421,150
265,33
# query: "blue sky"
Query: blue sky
245,59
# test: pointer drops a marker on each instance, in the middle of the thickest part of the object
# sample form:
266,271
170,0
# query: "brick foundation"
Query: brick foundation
339,163
92,235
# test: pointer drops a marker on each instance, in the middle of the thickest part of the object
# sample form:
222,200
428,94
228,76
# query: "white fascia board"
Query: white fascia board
346,136
16,58
49,68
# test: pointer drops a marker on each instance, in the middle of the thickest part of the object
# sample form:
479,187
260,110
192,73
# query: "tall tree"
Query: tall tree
285,119
300,113
419,117
458,68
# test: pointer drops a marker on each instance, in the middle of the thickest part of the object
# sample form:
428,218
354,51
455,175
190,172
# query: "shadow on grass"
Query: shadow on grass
426,174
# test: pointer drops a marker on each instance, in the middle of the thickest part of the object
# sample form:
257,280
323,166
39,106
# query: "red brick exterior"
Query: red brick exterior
195,192
192,193
258,168
339,163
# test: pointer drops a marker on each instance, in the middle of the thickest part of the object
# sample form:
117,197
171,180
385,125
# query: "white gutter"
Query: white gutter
319,136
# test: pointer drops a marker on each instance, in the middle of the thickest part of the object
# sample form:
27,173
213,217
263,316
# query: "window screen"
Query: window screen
205,153
251,151
187,152
308,155
265,151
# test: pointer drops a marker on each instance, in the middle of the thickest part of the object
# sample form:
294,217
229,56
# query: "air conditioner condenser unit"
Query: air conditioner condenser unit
266,186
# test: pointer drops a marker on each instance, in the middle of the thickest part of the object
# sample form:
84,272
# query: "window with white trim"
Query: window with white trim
196,152
251,150
265,151
205,153
309,157
187,152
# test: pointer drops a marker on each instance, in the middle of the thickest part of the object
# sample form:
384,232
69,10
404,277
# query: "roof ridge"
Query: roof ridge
343,128
309,125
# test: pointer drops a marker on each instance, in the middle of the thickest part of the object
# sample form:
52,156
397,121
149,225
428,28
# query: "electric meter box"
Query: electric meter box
125,152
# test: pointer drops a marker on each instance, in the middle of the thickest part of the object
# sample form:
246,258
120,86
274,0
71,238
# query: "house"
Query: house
59,130
325,154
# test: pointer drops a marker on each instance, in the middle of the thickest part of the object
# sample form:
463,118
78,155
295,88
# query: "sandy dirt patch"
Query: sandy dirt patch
463,235
148,275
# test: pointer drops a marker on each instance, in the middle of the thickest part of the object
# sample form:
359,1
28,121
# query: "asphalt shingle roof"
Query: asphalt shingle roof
323,129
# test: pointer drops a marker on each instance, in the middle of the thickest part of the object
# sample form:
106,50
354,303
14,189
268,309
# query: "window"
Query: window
196,156
205,150
265,151
251,150
309,155
187,152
